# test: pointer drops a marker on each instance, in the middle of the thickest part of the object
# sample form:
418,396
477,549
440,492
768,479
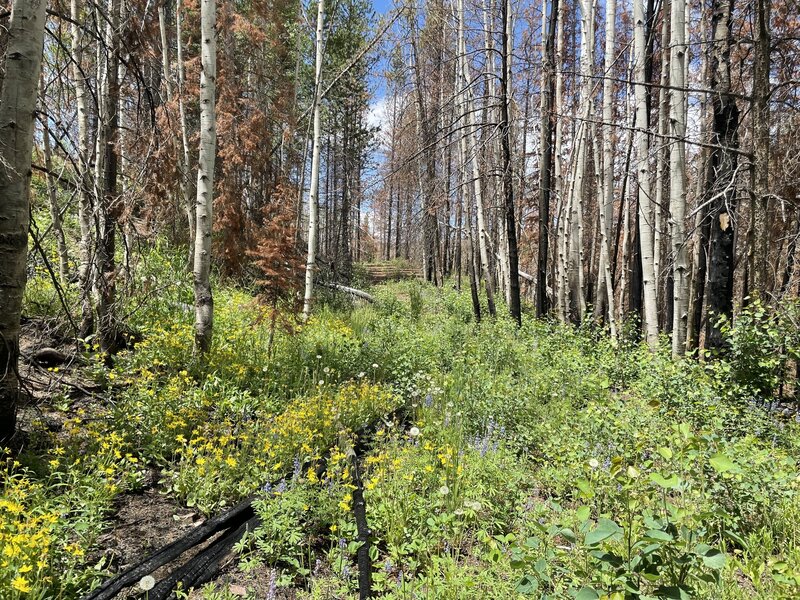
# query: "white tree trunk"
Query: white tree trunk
643,177
578,187
558,168
661,158
84,173
315,154
25,39
203,299
677,159
607,188
483,234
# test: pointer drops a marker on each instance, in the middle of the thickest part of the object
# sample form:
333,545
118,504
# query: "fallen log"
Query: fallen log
348,290
233,518
232,525
203,567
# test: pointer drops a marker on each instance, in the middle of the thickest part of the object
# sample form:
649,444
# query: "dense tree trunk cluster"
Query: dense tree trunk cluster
629,203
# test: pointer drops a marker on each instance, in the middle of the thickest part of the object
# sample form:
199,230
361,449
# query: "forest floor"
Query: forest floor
494,462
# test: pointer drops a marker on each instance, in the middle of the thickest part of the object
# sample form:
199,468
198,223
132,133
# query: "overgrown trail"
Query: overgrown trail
491,462
378,273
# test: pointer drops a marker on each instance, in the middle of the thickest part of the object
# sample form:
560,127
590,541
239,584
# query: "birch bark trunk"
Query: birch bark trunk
313,195
677,176
25,37
607,187
650,323
483,234
203,298
85,184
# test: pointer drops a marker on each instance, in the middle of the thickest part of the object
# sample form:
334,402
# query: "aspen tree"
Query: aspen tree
25,42
313,196
650,323
469,112
607,188
677,176
203,298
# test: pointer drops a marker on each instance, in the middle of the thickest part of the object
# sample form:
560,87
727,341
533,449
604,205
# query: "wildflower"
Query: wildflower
414,432
374,365
21,585
147,583
593,463
444,490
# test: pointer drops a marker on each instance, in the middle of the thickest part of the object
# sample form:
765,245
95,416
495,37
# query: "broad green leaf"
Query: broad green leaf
666,453
586,487
533,542
669,483
604,530
721,463
527,585
583,513
587,593
541,568
657,534
714,560
674,592
568,534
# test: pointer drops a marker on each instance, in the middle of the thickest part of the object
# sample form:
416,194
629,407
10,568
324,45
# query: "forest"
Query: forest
421,299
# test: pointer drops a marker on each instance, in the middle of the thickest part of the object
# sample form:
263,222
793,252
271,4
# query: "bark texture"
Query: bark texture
17,105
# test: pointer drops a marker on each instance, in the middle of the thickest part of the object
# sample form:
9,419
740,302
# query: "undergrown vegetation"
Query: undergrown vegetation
544,461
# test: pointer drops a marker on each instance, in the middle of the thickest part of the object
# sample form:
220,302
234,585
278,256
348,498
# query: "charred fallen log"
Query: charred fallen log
231,526
227,521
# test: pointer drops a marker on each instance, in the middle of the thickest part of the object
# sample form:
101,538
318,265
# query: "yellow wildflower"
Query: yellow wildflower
21,585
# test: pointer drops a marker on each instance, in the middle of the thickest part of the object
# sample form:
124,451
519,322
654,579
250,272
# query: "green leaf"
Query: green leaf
666,453
583,513
533,542
527,585
714,559
657,534
585,487
541,568
670,482
587,593
604,530
568,534
722,463
674,592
